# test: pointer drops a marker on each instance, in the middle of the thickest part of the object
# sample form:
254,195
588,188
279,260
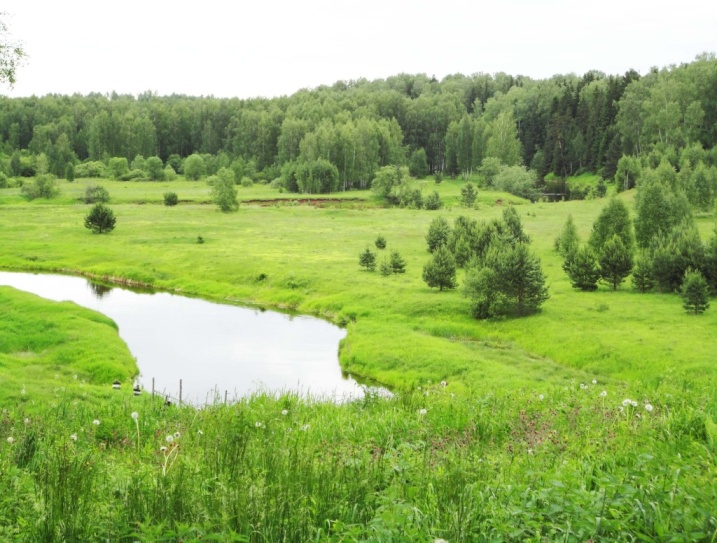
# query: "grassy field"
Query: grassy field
534,437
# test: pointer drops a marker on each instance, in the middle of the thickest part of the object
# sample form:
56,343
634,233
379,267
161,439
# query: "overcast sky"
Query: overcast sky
276,47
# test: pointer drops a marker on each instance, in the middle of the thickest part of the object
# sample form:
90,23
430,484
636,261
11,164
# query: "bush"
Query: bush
171,199
367,259
96,193
133,175
91,169
169,173
43,186
100,219
468,195
246,182
3,181
695,292
433,201
380,242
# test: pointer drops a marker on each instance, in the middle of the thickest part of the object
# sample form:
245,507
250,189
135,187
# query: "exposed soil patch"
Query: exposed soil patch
316,202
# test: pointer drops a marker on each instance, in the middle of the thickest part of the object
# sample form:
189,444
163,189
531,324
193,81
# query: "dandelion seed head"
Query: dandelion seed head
163,448
258,424
177,435
305,427
583,386
648,407
199,432
444,383
73,437
284,412
169,438
96,422
23,392
135,415
594,381
75,377
27,421
422,411
11,440
603,393
541,397
626,402
633,403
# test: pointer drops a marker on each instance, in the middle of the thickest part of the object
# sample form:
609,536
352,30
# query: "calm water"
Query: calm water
212,347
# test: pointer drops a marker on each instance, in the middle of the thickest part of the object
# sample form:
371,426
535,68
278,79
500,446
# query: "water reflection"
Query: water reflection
217,350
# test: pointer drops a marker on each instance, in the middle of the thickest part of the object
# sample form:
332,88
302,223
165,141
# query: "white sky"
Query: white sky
276,47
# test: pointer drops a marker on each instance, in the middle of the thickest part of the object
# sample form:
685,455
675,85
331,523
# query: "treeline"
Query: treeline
561,126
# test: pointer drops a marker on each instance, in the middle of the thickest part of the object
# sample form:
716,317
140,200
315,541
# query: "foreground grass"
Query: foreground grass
571,464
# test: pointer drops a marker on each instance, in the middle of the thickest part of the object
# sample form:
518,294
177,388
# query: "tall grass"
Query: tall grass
570,464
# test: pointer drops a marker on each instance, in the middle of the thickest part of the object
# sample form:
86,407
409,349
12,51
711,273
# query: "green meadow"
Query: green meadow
591,420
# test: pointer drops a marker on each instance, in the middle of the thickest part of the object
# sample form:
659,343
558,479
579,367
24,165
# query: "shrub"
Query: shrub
96,193
695,292
169,173
468,195
433,201
380,242
43,186
367,259
100,219
91,169
398,264
246,182
133,175
171,199
3,181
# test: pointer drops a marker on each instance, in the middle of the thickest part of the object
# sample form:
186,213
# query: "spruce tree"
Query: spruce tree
695,292
468,195
568,241
438,233
583,269
100,219
440,271
613,219
615,262
642,279
397,263
367,259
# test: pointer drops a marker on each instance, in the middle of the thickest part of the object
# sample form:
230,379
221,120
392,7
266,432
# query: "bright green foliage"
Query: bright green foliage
468,195
194,167
673,254
118,166
514,286
380,242
224,191
568,241
438,177
246,182
710,262
138,163
489,170
703,187
385,268
171,199
418,165
440,271
317,177
695,292
44,186
628,173
614,219
438,233
70,172
582,268
12,55
658,209
398,264
514,226
642,280
518,181
169,173
388,182
91,169
154,168
367,259
433,201
615,261
96,193
503,142
100,219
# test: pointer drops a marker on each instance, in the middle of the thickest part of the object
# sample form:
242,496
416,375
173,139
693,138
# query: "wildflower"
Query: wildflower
75,377
633,403
422,411
583,386
163,449
594,381
603,393
177,435
73,437
11,440
530,452
541,397
444,383
169,438
284,412
648,407
135,415
626,402
258,424
96,422
27,421
200,433
305,427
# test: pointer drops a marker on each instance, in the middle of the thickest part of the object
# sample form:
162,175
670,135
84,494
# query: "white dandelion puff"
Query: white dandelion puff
284,412
258,424
603,393
648,407
96,422
422,411
135,415
626,402
169,438
73,437
11,440
594,381
177,435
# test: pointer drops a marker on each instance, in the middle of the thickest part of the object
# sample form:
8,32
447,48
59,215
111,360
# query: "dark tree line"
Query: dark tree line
564,125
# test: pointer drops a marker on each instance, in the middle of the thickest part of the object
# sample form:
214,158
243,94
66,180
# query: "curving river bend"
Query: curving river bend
215,349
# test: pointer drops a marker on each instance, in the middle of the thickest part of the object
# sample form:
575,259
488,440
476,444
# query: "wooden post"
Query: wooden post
225,397
152,387
180,392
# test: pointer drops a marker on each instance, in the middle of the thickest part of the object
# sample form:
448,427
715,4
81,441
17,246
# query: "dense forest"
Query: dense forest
556,128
